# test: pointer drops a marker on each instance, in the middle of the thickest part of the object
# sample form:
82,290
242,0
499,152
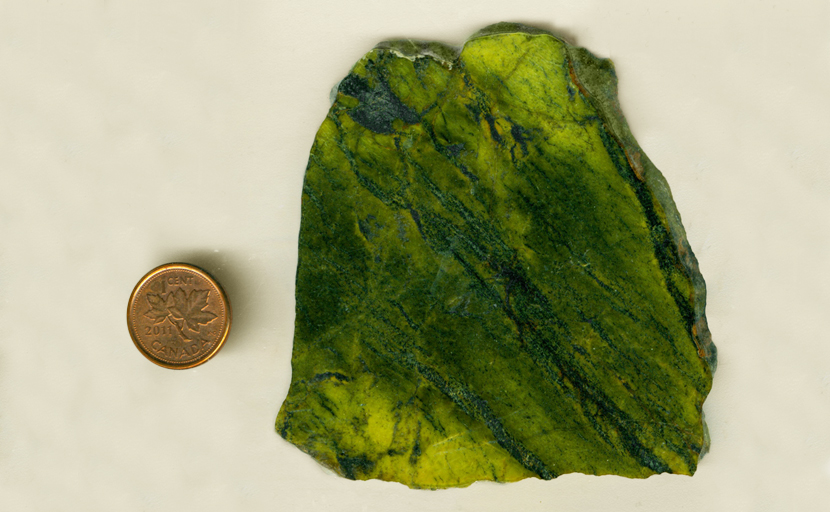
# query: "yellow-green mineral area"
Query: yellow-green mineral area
493,280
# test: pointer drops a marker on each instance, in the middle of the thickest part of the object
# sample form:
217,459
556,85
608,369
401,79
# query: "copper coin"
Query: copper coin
178,316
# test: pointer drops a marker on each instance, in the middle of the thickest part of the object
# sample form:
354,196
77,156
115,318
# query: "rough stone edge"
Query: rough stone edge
412,49
598,78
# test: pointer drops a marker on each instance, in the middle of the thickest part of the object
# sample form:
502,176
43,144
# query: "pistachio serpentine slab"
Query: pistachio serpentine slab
493,280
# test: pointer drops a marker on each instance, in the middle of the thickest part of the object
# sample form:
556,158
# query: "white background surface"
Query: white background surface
137,133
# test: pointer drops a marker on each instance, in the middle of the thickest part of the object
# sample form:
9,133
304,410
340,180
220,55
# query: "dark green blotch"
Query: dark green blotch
354,466
378,107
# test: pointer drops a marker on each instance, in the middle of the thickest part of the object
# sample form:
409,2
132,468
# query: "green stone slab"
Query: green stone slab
493,280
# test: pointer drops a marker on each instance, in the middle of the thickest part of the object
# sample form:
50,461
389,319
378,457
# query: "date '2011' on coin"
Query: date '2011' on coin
178,316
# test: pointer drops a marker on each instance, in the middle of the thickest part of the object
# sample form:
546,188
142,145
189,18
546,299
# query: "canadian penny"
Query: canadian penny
178,316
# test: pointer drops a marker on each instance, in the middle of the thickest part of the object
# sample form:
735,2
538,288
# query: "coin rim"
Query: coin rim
206,275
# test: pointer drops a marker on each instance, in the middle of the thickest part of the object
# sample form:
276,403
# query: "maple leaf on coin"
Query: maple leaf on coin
158,309
171,303
188,308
